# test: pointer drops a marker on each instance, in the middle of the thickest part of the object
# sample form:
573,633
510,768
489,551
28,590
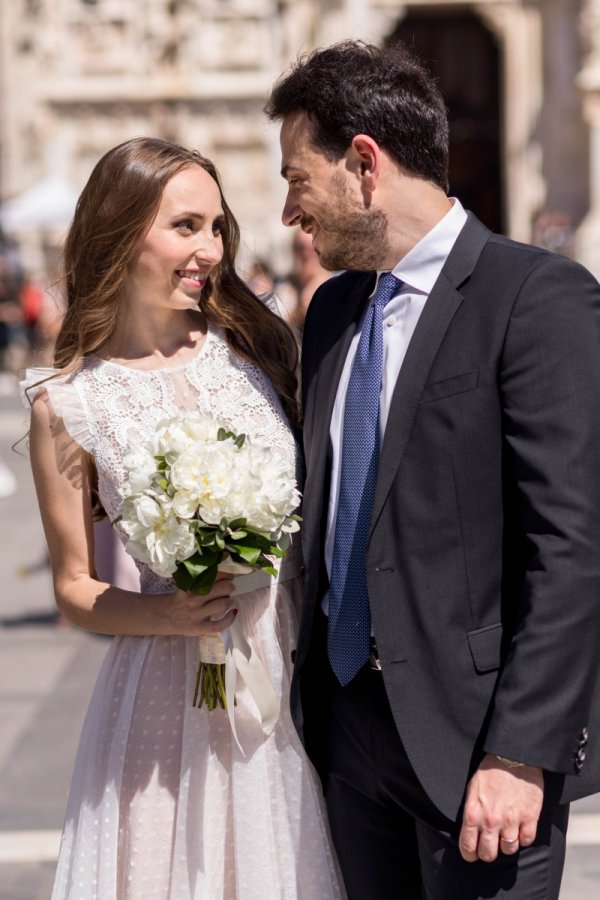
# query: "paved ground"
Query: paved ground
46,675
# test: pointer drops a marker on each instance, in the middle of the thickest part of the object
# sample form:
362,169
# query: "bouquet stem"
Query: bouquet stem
210,676
210,686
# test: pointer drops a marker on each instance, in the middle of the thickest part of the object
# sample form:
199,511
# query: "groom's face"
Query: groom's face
324,198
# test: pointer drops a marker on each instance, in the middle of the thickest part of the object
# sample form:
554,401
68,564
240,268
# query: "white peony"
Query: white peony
156,536
173,436
141,467
203,477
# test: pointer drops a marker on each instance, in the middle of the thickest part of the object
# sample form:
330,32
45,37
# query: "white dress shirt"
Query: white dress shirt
418,271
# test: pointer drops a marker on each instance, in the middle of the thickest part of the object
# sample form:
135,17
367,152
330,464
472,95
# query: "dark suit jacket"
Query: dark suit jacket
483,561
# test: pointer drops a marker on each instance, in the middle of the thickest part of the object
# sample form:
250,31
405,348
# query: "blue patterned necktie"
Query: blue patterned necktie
349,627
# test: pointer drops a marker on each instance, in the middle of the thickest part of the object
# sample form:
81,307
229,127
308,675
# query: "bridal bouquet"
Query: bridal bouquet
198,498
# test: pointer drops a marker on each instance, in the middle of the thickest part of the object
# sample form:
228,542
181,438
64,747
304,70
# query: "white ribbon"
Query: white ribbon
240,658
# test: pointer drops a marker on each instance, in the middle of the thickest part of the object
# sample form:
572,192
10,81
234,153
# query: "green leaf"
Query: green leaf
204,582
263,541
237,523
266,566
198,573
239,441
284,541
182,578
199,562
248,554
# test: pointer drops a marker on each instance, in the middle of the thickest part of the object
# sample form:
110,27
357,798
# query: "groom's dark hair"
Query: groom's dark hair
355,88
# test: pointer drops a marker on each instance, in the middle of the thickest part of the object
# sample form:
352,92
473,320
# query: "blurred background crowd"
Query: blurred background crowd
521,79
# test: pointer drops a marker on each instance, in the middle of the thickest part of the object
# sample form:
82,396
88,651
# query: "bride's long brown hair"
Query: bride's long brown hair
119,201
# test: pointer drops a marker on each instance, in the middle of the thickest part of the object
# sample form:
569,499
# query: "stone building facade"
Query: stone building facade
521,79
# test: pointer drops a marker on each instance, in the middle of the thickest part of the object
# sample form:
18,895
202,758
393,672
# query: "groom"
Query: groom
446,678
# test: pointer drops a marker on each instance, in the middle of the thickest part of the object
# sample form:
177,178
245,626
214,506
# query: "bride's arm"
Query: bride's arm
61,473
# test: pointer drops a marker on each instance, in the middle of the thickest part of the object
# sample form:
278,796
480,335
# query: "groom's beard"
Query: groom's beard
353,237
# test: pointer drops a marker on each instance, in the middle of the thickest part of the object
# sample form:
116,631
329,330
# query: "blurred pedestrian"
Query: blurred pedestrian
306,274
11,325
261,278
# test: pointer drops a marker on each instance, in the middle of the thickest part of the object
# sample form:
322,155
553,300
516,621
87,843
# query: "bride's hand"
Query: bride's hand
191,615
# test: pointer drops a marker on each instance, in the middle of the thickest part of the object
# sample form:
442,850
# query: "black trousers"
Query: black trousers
391,841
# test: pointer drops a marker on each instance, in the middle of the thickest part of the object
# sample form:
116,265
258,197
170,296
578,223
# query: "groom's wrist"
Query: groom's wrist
508,762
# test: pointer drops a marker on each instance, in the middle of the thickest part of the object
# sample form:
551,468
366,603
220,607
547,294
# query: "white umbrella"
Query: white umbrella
49,203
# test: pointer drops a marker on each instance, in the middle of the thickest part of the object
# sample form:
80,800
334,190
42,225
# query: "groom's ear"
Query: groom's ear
364,159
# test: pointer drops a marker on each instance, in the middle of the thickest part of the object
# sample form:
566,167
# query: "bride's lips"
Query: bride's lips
192,278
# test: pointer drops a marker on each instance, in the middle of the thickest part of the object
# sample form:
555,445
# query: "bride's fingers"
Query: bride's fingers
224,576
216,624
216,610
190,614
223,587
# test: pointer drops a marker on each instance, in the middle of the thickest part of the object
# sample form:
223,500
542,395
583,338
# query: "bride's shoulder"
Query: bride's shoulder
54,396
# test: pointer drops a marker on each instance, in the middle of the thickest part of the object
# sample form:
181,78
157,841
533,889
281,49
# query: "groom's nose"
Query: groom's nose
291,212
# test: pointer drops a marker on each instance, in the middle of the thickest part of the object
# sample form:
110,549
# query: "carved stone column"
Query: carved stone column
517,27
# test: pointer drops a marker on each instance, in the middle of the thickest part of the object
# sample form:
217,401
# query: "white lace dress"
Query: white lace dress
163,803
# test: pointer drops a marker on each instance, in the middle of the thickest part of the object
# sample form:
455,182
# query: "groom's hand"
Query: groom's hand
502,809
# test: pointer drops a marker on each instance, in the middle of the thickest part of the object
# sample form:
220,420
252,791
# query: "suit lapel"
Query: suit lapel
439,310
347,313
337,324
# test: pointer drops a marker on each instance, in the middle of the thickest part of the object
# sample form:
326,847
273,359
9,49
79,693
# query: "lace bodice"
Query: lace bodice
108,408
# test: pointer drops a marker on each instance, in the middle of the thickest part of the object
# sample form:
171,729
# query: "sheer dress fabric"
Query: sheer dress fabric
163,804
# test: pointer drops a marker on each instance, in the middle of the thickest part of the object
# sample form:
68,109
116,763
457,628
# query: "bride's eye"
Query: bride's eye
185,226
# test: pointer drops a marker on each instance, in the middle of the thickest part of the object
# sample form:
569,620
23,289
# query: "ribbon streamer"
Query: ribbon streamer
240,658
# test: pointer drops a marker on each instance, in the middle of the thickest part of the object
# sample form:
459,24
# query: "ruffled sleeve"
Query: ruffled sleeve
65,399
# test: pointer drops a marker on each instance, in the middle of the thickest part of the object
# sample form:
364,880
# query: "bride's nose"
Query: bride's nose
208,250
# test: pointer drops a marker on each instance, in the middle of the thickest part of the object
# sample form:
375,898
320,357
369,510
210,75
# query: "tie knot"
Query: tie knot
387,286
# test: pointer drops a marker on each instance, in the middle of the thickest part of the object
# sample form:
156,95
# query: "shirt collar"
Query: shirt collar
421,266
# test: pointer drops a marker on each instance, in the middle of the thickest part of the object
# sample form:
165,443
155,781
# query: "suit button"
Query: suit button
585,735
581,755
578,765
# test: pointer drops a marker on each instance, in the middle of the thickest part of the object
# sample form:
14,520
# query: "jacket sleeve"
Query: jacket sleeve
549,383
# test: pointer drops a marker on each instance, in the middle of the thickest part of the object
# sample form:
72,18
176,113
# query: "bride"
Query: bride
164,803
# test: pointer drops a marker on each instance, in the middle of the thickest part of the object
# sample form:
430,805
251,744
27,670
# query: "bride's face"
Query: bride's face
181,247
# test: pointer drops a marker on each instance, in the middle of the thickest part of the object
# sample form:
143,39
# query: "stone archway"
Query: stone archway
465,57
